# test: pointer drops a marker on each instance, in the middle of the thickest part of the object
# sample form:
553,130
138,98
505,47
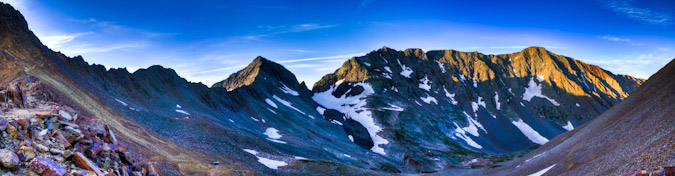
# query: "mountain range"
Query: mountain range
388,111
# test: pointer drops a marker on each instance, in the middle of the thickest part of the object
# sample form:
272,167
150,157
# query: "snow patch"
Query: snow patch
471,129
339,82
271,103
388,69
578,105
287,103
355,108
461,77
254,119
270,163
351,138
272,133
121,102
320,110
529,132
178,106
542,172
425,83
475,105
347,155
569,126
497,100
366,63
393,108
475,83
300,158
183,112
534,90
336,122
406,71
288,90
449,95
429,99
441,65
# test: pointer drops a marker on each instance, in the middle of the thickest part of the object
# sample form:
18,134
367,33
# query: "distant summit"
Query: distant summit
258,70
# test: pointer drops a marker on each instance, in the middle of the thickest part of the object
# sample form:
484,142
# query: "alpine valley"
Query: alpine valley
389,111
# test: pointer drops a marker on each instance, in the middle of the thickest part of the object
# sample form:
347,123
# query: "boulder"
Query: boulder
65,115
8,158
46,167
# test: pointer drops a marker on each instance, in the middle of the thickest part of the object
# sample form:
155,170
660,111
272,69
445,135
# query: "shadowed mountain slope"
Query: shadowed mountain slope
636,134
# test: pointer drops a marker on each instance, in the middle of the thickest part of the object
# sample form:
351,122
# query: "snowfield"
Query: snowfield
355,108
529,132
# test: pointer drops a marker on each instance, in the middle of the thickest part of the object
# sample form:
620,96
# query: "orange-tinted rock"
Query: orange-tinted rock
81,161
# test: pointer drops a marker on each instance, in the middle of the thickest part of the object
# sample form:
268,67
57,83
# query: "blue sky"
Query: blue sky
206,41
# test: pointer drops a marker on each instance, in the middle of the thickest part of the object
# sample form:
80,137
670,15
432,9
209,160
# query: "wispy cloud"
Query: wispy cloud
615,39
364,4
88,48
619,39
627,9
508,47
287,29
57,41
344,56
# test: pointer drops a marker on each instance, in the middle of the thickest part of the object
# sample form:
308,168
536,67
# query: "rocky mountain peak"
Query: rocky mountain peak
259,68
12,20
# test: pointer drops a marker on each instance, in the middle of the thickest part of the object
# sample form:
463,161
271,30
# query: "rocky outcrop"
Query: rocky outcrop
47,138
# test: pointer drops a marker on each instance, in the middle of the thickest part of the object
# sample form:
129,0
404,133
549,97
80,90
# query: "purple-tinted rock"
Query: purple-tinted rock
46,167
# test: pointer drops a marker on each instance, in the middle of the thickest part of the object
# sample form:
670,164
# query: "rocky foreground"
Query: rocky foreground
42,137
